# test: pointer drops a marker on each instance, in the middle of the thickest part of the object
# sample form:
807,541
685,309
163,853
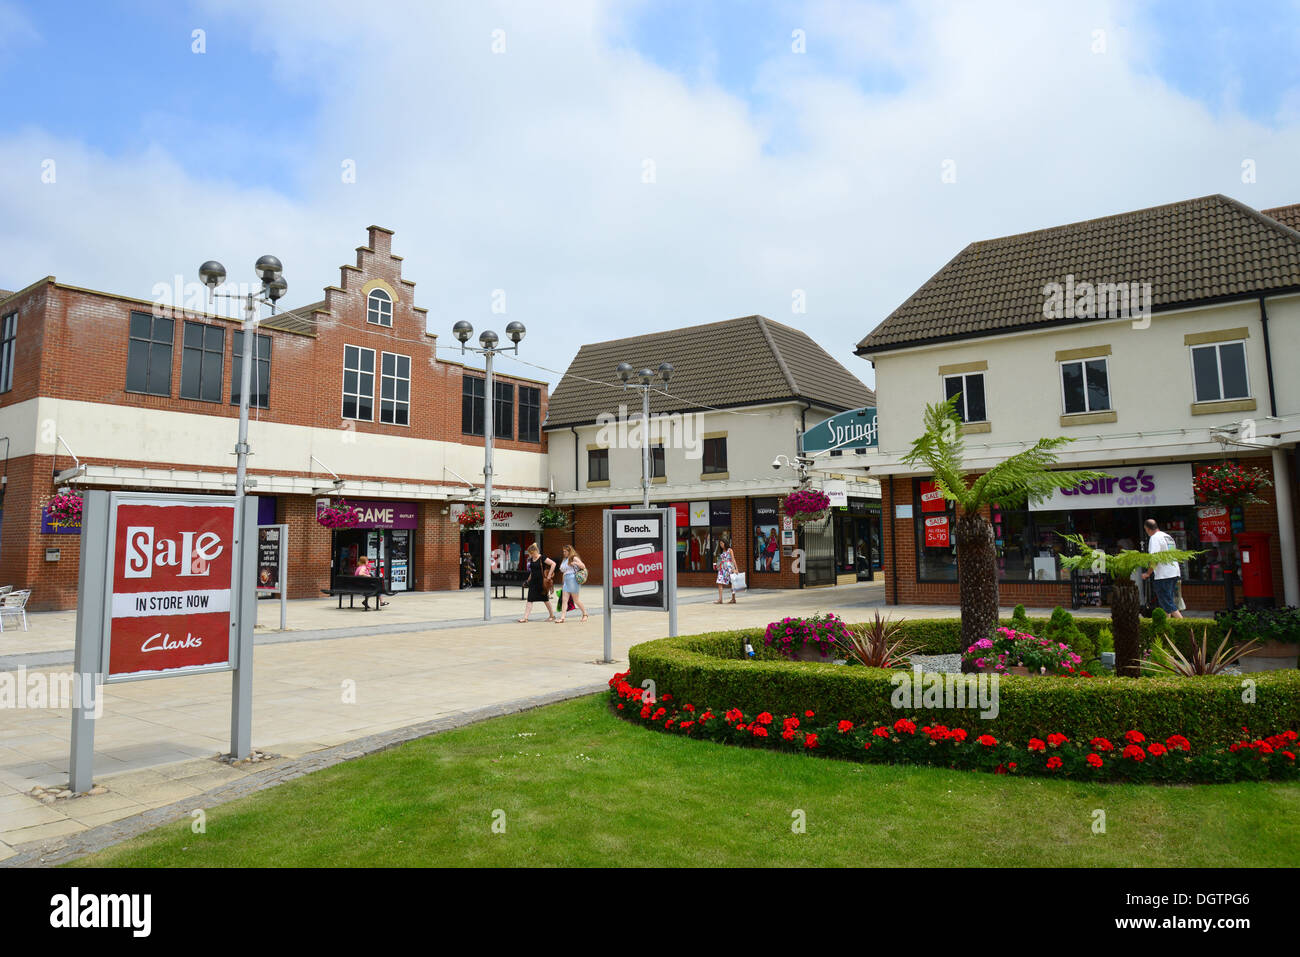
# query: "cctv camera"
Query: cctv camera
776,463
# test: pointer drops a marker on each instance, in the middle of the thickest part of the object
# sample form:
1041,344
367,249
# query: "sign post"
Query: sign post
640,558
272,566
168,587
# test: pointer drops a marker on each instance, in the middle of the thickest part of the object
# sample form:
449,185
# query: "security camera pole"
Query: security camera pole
488,340
213,274
647,378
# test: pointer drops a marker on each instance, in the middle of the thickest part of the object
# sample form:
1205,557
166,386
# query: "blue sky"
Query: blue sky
776,171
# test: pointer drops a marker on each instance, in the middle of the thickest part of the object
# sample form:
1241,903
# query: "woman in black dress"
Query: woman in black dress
539,570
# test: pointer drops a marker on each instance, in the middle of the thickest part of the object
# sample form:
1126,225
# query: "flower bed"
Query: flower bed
820,634
1009,648
1122,756
712,668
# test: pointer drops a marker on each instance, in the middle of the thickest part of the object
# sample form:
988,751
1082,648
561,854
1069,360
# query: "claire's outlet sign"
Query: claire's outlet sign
1146,486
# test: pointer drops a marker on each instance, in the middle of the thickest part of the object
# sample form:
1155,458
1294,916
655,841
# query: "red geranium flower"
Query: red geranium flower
1134,737
764,718
1179,743
881,732
808,714
1036,745
1134,753
1053,762
810,741
1101,744
958,734
845,726
1156,748
1095,760
987,740
1056,740
904,726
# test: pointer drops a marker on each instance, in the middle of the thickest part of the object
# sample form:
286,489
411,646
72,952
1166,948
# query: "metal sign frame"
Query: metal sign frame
281,590
94,620
668,548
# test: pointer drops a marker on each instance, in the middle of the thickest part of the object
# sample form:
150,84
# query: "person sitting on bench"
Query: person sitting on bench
366,570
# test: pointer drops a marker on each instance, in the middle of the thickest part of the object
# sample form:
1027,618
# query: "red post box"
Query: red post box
1256,567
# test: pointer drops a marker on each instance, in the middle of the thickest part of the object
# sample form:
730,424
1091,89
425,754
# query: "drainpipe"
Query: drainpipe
573,531
1268,358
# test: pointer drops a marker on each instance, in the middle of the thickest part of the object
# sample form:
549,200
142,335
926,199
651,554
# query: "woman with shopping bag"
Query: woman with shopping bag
725,563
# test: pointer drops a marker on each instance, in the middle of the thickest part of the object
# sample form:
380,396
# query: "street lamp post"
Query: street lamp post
488,341
274,287
647,377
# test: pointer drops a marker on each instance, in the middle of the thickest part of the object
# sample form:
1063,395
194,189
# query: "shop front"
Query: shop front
857,540
514,528
384,538
1109,513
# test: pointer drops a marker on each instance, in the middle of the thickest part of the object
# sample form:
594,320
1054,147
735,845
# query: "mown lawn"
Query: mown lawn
581,788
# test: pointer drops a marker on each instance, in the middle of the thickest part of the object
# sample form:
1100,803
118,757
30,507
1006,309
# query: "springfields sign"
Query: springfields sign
847,431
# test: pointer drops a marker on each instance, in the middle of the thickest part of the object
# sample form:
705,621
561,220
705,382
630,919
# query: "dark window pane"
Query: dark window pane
390,363
349,381
160,369
214,339
349,407
404,366
191,367
211,376
141,325
1098,386
193,335
974,385
1072,382
1205,373
1232,359
137,366
403,390
715,455
365,407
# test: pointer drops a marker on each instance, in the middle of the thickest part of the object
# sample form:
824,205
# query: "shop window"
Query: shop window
503,410
261,380
1085,386
1219,371
969,389
203,353
767,535
530,414
379,308
715,455
7,344
358,383
598,465
658,466
395,389
472,412
149,354
936,534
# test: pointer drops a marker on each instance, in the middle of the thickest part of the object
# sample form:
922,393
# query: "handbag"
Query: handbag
581,576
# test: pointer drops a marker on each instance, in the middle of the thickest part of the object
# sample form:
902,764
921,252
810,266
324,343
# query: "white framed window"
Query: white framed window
1085,386
358,383
395,389
970,404
379,308
1219,371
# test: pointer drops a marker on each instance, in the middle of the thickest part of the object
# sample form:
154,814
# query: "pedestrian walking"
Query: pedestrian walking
1166,576
574,571
540,574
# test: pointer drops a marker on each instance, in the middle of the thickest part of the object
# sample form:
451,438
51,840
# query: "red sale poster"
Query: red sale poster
936,532
1213,523
932,499
172,587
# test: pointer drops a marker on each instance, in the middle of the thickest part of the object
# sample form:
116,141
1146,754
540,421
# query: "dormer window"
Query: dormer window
379,308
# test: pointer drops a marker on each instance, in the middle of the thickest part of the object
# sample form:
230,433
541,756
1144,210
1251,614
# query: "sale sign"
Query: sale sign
172,586
932,499
936,532
1214,524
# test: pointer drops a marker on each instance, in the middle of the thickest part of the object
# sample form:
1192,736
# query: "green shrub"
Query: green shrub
1062,627
1105,640
1264,624
711,669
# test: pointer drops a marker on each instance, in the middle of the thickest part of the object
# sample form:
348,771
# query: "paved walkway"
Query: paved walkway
338,677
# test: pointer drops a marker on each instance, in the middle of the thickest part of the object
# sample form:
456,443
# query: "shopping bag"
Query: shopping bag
738,581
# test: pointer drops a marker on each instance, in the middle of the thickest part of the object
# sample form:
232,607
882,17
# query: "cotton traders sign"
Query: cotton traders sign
1146,486
851,430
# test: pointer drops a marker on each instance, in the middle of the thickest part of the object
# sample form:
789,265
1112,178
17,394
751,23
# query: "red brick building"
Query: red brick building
350,398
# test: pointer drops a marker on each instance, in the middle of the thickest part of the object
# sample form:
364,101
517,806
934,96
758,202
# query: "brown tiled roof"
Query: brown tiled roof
1196,250
722,364
294,320
1286,215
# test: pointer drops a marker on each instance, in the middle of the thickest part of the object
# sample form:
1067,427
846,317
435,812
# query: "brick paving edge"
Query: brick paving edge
64,849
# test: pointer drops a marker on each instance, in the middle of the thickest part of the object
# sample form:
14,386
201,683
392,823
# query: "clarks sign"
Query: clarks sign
1147,486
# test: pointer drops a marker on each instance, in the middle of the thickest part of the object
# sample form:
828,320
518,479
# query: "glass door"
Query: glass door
401,559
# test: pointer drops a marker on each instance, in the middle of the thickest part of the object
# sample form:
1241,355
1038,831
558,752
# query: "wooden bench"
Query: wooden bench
353,585
503,580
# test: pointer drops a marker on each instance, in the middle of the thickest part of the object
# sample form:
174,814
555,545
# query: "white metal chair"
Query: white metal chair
14,603
6,589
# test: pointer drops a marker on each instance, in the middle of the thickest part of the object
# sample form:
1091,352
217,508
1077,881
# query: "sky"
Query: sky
604,169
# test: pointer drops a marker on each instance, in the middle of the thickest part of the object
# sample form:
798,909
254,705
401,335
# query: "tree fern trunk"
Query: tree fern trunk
977,574
1126,624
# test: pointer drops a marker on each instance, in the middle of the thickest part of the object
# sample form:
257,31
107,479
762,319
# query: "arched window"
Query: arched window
379,308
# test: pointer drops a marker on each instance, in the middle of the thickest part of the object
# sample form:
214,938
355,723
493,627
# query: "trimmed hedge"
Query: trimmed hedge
710,669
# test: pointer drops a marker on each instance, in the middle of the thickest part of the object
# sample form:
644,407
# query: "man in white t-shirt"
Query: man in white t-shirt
1166,574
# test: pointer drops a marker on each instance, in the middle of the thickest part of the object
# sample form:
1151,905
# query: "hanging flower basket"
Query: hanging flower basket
551,517
339,515
807,506
64,508
1228,484
472,517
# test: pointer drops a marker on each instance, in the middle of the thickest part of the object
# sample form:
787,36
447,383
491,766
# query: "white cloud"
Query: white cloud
523,171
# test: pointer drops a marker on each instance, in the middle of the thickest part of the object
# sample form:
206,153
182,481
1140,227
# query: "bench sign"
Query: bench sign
172,587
